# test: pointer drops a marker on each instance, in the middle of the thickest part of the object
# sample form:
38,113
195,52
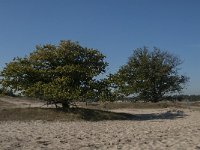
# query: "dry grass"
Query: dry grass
91,112
78,114
132,105
52,114
28,114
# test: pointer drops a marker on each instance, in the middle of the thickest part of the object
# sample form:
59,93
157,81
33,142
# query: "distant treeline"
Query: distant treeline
185,97
168,98
191,98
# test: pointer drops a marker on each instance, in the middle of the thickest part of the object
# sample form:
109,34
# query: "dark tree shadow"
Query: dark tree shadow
165,115
78,114
100,115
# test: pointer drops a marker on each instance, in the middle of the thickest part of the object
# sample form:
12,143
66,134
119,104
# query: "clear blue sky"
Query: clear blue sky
115,27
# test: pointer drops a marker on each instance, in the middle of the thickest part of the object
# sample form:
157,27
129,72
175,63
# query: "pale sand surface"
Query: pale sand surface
181,133
20,102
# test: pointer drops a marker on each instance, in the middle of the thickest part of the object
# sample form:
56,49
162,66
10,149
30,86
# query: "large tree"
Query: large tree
150,75
58,74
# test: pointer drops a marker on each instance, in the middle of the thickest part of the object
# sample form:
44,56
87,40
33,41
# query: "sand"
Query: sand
14,102
179,133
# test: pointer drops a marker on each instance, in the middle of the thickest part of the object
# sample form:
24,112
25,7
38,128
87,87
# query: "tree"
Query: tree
56,74
150,75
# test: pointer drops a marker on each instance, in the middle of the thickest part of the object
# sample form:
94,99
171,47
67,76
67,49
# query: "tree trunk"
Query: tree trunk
65,105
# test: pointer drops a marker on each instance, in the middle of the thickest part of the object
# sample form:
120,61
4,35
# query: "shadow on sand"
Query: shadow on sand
100,115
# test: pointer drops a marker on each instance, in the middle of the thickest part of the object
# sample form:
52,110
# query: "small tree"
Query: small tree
150,75
58,74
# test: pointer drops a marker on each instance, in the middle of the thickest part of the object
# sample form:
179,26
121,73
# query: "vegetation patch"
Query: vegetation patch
51,114
132,105
28,114
78,114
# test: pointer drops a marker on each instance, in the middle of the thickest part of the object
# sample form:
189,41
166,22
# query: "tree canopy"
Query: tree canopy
150,75
68,72
60,74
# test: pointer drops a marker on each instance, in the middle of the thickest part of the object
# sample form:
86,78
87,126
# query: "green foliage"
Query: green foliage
150,75
100,90
60,74
6,92
106,91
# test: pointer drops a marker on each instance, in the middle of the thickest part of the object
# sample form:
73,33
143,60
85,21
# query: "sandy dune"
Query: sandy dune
13,102
181,133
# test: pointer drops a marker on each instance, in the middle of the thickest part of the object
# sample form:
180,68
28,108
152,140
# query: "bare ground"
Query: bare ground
149,129
13,102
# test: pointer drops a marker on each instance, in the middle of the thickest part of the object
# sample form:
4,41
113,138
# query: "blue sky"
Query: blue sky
115,27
